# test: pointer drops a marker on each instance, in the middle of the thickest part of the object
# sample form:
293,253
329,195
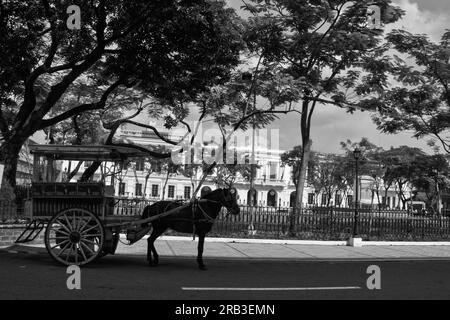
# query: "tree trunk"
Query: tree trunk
147,176
165,185
9,156
89,172
386,204
303,167
371,200
72,174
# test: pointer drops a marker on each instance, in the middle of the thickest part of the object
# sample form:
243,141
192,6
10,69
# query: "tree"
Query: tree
325,176
421,100
170,50
320,45
431,177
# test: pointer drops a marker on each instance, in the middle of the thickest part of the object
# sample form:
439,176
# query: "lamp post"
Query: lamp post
356,155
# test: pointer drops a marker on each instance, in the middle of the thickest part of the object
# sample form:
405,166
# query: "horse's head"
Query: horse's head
229,201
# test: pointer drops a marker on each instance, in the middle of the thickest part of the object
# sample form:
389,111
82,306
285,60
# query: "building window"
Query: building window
350,200
324,199
122,187
272,198
273,171
171,192
140,165
337,200
155,190
310,198
138,190
393,202
187,192
252,195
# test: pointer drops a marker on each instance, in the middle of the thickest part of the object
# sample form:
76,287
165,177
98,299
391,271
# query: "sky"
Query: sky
331,125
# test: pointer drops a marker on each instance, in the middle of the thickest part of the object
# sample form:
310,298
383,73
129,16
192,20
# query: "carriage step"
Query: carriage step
31,232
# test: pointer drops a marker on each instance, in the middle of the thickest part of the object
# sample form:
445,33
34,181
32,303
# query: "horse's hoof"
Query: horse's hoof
203,268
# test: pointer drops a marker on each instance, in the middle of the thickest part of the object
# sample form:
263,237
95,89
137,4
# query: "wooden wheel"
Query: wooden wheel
74,236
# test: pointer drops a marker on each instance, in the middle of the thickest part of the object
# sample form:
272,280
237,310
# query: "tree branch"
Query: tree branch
82,108
270,111
153,129
143,149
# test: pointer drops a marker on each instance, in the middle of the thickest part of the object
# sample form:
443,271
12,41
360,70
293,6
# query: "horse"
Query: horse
197,218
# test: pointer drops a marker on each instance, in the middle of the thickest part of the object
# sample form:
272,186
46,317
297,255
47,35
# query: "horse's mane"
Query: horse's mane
209,194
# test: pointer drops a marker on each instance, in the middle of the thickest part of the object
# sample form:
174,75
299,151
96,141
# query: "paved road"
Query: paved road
36,276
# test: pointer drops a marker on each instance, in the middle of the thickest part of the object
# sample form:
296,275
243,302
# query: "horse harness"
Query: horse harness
195,208
207,217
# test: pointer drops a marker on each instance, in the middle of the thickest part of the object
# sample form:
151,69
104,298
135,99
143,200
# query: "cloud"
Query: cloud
421,21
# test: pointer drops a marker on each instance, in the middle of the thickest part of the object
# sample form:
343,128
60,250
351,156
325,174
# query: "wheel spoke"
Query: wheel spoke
61,224
62,232
82,252
70,251
88,241
92,235
56,238
86,231
63,249
84,245
74,221
85,225
78,222
68,223
59,244
76,253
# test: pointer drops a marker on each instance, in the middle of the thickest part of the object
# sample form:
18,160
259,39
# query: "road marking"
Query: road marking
268,289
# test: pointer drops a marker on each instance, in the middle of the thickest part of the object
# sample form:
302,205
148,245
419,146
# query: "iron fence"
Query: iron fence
319,223
313,223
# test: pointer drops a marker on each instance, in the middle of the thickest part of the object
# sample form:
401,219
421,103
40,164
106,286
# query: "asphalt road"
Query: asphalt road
36,276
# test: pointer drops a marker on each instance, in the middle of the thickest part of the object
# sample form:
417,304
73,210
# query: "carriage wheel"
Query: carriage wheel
74,236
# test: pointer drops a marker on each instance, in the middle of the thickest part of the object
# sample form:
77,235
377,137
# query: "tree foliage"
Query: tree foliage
169,50
419,99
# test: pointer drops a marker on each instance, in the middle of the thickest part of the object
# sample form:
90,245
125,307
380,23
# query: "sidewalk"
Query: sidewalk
238,250
225,249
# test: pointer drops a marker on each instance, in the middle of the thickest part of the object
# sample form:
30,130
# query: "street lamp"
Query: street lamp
356,155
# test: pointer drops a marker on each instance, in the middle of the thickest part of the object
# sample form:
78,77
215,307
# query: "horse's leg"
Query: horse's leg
201,243
151,246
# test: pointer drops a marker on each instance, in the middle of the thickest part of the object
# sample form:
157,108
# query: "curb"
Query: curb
255,241
281,241
301,242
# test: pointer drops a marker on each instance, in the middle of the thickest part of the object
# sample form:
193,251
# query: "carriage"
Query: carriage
79,219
